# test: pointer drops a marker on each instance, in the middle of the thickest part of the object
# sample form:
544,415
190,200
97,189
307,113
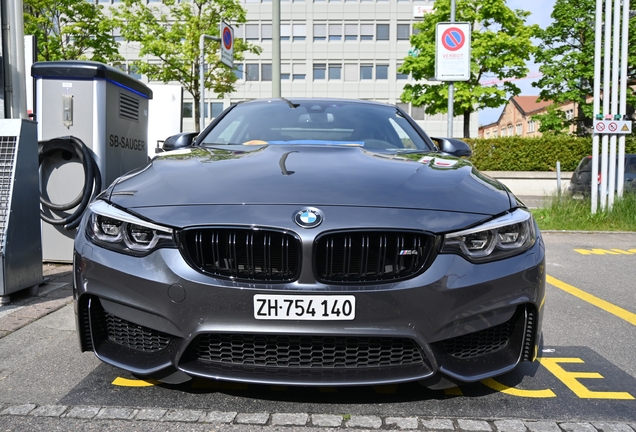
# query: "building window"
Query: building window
266,32
319,71
238,70
381,72
401,76
187,110
531,126
299,32
298,71
382,32
510,130
519,129
251,72
366,72
366,32
569,114
335,32
418,113
403,31
335,72
487,135
351,32
351,72
266,72
251,32
285,32
320,32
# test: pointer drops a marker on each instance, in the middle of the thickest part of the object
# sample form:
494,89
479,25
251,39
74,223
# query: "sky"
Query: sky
540,14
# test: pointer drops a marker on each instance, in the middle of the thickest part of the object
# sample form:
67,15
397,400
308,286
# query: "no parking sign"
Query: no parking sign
452,51
227,45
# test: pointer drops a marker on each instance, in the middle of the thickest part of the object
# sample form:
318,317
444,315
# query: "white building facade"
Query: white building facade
337,48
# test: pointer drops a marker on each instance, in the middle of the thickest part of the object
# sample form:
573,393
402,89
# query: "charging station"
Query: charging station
93,127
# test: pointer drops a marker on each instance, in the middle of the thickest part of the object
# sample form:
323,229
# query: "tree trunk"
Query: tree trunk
467,123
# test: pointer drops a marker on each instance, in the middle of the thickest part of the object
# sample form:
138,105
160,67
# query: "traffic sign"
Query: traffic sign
452,51
612,126
227,45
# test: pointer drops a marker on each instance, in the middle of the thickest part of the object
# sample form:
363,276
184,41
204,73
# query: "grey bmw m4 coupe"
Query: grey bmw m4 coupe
312,242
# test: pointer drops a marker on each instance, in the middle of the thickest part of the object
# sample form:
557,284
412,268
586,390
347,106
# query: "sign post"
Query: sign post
227,58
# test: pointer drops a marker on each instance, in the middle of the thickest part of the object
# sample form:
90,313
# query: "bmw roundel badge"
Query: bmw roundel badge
308,217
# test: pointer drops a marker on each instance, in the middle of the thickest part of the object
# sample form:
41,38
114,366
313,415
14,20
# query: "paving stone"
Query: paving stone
219,417
117,413
326,420
23,409
289,419
151,414
473,425
438,424
402,422
543,427
577,427
83,412
613,427
49,411
252,418
372,422
183,415
510,426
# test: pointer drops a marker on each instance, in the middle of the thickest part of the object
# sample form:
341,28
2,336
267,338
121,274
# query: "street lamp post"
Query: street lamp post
202,39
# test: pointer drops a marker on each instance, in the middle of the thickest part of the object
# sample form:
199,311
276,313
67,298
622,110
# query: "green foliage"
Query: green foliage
170,37
534,154
70,30
553,121
566,55
500,47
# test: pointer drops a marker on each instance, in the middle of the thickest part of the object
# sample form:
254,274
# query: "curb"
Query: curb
343,421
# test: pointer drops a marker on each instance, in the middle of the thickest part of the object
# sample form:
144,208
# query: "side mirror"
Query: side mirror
178,141
453,146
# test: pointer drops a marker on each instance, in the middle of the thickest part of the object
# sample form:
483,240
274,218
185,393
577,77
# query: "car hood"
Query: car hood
311,175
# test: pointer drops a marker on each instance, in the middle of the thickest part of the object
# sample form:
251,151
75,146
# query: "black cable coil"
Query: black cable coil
92,180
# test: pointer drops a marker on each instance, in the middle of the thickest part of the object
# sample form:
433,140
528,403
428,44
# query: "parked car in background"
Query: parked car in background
580,182
310,242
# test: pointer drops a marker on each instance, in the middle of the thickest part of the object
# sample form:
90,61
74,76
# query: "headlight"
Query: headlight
499,238
115,229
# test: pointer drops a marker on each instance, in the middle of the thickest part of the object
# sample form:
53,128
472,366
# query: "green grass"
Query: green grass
569,213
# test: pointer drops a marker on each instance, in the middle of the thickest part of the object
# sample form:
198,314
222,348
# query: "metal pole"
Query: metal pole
451,86
623,97
276,48
597,102
15,74
202,39
614,103
606,98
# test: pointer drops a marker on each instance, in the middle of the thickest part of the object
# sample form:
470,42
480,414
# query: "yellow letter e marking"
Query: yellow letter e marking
570,379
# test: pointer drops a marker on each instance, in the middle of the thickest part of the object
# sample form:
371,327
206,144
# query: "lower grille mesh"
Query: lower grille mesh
305,351
134,336
480,342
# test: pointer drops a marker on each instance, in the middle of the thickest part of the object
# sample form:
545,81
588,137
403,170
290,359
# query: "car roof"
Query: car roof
318,100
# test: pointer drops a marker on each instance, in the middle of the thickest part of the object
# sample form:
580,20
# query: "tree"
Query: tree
553,121
70,30
170,38
501,45
566,55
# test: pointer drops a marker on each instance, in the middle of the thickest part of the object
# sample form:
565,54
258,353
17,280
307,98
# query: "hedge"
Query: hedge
534,154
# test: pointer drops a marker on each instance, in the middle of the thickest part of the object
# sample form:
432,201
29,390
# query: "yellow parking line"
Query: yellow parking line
598,302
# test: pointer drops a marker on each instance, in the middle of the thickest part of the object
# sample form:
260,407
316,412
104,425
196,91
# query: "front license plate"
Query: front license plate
317,308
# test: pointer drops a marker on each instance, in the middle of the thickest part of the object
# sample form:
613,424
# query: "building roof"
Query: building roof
528,104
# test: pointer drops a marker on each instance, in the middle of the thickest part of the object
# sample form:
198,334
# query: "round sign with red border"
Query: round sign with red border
600,127
227,38
453,39
612,127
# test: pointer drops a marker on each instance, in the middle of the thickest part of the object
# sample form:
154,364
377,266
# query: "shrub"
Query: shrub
534,154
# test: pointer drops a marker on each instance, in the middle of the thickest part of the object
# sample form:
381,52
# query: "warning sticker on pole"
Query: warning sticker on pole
612,126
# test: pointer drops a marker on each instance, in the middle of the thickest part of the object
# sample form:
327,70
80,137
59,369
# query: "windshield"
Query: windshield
375,127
